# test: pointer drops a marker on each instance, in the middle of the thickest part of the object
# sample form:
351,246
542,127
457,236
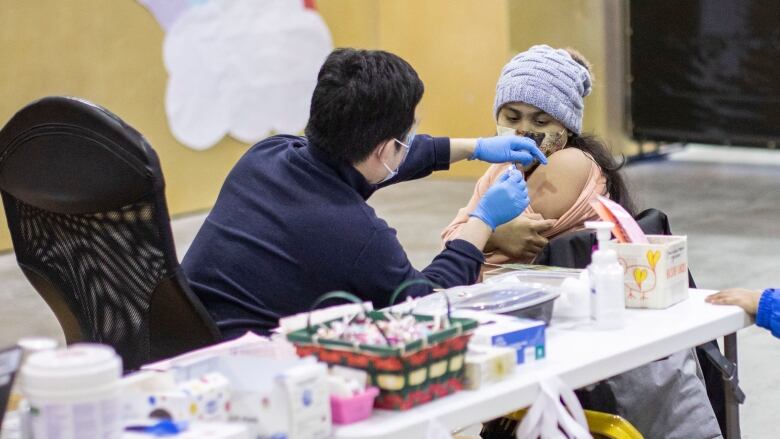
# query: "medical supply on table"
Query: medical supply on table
573,305
655,275
74,392
539,274
411,358
258,370
608,303
510,297
28,346
249,344
192,430
308,401
273,397
526,337
280,397
488,364
149,394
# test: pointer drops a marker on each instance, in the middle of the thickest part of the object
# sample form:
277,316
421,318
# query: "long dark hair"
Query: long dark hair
616,185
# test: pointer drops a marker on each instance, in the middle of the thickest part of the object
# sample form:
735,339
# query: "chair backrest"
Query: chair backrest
84,198
574,249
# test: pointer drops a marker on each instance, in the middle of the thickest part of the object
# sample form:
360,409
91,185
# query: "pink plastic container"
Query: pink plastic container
353,409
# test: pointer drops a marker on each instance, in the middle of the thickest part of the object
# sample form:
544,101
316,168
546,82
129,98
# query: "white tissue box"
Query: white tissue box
155,395
655,274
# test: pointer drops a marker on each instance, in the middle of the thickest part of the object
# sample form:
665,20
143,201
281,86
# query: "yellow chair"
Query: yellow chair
601,425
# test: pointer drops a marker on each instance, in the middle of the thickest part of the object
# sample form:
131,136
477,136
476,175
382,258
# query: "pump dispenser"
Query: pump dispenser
608,300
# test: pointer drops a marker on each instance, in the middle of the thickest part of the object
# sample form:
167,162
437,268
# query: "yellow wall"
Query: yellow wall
458,49
110,52
352,23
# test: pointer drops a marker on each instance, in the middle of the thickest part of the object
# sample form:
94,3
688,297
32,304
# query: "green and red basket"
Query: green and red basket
406,375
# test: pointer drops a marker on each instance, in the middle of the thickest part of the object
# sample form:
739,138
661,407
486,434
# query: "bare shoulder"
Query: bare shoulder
556,187
570,160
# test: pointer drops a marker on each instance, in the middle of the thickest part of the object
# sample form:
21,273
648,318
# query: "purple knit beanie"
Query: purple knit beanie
549,79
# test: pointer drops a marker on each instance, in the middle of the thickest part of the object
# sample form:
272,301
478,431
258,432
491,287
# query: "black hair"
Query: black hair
362,98
616,186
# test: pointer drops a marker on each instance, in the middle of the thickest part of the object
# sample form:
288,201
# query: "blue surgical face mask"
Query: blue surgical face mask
392,173
410,137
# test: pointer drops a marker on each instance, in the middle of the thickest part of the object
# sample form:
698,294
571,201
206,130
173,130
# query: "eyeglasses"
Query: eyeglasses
407,147
408,142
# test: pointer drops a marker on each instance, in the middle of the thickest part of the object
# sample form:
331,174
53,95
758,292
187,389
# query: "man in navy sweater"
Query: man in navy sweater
291,221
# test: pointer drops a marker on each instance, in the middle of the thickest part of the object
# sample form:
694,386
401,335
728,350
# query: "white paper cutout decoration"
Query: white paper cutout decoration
243,68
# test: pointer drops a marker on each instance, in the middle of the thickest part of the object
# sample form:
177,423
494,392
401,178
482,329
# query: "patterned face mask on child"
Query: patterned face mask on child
552,143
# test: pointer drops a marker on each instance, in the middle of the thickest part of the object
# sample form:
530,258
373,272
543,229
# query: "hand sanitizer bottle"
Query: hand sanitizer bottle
608,300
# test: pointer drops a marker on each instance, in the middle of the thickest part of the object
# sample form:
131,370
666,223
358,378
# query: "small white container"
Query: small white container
74,392
608,302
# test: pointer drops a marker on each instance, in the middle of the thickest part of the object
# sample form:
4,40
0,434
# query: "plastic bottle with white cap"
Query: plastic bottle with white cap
74,393
608,300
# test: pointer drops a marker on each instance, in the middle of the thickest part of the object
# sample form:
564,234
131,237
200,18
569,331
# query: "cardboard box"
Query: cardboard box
525,336
150,394
272,397
655,274
488,364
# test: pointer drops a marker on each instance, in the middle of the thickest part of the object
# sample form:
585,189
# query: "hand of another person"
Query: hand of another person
746,299
521,237
505,200
506,149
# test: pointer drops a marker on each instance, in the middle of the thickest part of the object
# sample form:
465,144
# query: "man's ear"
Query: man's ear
384,150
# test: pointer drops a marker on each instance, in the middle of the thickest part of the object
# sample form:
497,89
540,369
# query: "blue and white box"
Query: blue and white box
524,335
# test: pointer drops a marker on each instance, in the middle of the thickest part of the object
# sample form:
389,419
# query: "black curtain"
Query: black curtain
705,71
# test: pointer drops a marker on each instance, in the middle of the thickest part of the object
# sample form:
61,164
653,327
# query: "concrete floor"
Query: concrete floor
729,212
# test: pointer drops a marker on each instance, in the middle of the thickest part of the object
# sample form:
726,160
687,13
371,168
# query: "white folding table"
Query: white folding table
579,355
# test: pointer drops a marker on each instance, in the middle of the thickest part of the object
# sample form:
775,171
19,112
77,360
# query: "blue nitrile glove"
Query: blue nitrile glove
505,149
504,201
165,427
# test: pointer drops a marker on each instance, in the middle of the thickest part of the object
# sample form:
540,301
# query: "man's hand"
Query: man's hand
520,238
506,149
746,299
506,199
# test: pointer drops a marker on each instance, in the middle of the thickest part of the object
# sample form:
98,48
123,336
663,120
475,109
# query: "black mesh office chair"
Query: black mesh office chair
84,198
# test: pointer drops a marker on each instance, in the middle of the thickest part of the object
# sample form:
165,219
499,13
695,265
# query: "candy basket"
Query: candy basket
406,374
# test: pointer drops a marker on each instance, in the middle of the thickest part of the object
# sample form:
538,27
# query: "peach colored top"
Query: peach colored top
572,219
